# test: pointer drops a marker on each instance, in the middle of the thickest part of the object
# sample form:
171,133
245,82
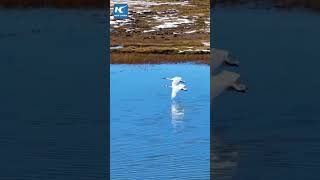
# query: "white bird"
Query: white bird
175,80
176,86
176,89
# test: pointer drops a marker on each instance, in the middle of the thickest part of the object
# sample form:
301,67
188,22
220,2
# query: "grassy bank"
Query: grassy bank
144,58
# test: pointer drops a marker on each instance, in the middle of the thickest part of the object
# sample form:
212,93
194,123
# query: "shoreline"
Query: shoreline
142,58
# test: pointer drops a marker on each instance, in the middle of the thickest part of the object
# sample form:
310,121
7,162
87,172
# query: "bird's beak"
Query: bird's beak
183,81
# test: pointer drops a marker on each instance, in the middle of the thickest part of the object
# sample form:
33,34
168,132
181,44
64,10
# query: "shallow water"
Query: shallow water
272,131
153,137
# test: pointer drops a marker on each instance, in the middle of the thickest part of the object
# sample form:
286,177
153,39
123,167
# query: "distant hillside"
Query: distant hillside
312,4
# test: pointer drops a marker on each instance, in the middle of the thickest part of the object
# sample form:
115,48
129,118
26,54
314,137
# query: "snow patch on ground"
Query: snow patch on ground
190,32
206,43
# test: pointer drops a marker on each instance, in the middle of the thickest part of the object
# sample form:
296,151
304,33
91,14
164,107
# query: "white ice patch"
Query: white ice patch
119,22
153,3
193,50
116,47
142,4
166,25
190,32
206,43
205,50
170,22
151,30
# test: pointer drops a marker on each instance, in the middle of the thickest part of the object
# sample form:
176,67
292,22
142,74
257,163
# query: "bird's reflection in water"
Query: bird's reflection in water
177,116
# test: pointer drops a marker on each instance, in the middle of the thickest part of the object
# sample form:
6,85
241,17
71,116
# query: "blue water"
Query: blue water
153,137
273,130
53,95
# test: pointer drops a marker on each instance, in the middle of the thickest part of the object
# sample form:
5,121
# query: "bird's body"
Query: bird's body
176,85
176,89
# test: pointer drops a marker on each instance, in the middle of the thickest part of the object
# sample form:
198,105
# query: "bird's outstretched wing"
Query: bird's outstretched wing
175,80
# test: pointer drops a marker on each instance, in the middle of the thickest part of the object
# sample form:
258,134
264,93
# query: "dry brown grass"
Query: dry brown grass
165,40
165,45
202,8
142,58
